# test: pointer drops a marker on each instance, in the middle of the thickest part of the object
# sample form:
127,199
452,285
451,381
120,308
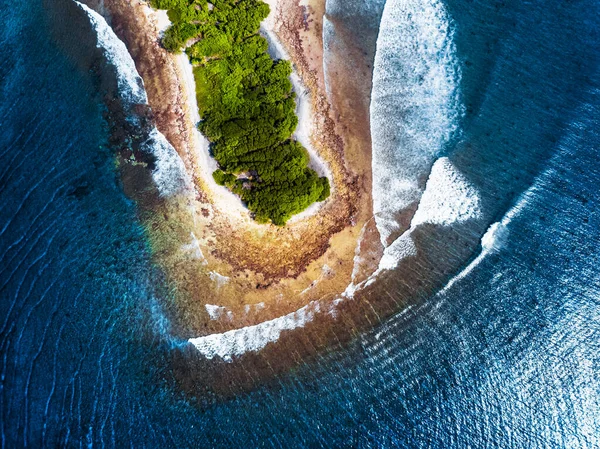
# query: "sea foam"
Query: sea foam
129,82
415,104
494,238
169,174
237,342
448,198
215,312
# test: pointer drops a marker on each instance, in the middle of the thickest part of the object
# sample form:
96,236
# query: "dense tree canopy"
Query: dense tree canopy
247,105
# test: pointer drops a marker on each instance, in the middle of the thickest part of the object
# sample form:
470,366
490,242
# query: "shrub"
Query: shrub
247,105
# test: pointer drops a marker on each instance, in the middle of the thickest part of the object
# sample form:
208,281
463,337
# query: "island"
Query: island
247,105
249,121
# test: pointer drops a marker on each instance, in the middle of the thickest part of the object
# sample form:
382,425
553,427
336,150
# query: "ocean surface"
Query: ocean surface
486,120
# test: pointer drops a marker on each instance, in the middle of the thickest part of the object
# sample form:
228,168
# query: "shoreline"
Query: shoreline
247,303
304,108
214,254
231,202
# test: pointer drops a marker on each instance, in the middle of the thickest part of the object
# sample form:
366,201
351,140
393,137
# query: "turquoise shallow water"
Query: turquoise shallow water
506,356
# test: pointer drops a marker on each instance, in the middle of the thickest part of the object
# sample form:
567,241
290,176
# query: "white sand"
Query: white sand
269,22
203,163
224,200
304,109
159,17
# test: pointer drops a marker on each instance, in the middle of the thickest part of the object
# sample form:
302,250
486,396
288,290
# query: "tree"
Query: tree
247,106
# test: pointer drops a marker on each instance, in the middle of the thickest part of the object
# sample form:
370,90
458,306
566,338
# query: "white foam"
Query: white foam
194,248
237,342
357,260
215,312
169,175
329,35
219,279
448,198
493,239
129,82
496,235
415,103
400,249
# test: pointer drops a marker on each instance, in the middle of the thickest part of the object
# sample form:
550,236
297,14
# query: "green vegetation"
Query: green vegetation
247,105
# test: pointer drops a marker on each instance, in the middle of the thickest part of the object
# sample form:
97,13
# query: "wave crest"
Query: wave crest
129,82
415,104
169,174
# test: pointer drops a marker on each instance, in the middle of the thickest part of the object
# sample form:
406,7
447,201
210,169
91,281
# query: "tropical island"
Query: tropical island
237,137
246,104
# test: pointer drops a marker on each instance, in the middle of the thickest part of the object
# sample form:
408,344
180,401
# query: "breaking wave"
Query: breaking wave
129,82
169,173
448,198
415,105
237,342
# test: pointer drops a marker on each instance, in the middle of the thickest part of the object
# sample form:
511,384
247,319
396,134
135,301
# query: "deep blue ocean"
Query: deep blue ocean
506,356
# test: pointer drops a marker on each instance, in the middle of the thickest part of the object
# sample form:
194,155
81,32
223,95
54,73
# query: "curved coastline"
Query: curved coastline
216,256
241,286
261,297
